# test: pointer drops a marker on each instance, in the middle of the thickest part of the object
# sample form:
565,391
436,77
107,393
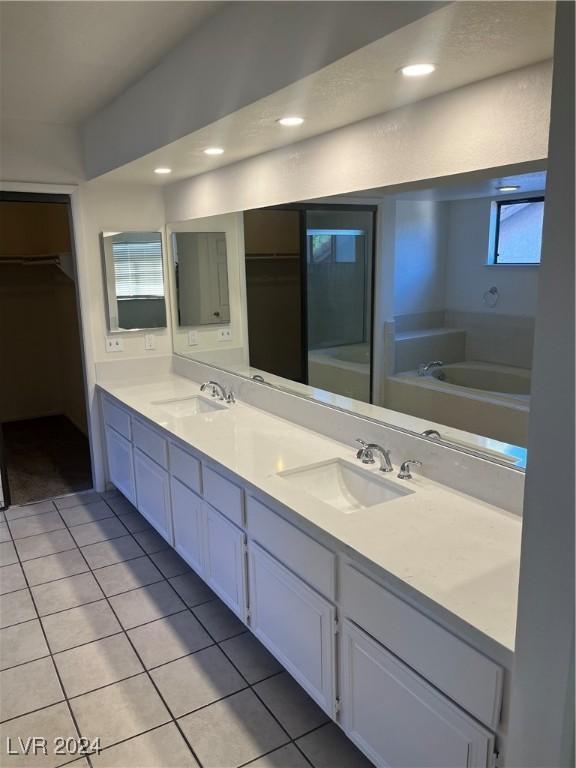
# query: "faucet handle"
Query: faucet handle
365,452
404,473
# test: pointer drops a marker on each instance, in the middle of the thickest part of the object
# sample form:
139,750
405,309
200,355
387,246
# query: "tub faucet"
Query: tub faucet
404,473
217,390
425,368
366,455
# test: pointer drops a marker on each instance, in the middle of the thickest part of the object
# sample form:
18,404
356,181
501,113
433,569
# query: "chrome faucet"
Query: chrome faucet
218,391
404,473
425,368
366,455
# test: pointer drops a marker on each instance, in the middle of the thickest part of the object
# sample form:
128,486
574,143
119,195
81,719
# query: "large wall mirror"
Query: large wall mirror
414,307
134,280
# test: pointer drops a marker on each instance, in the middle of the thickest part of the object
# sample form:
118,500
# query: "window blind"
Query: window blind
138,269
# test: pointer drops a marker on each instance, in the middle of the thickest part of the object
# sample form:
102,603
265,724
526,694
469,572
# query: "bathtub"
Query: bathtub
484,398
344,370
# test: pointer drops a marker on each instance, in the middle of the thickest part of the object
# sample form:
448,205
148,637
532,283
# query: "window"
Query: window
518,231
138,267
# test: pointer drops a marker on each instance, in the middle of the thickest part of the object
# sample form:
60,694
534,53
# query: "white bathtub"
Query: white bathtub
484,398
344,370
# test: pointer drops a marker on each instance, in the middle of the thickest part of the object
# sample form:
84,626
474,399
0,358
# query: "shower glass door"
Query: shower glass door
339,265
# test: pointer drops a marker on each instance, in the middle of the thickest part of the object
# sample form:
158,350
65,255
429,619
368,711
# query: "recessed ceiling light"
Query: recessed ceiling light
214,151
508,187
417,70
162,170
290,121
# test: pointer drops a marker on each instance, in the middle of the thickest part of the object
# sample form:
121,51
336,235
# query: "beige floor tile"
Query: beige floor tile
28,687
122,577
163,747
196,680
16,607
45,544
250,657
13,513
110,552
285,757
120,711
36,524
22,643
11,578
87,512
75,499
169,638
4,532
52,567
50,723
219,620
290,703
192,589
66,593
328,747
150,541
101,530
80,625
96,664
231,732
8,554
146,604
169,562
120,504
135,522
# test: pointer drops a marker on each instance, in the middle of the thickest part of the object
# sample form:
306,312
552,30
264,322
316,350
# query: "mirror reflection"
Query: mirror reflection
201,278
134,279
426,322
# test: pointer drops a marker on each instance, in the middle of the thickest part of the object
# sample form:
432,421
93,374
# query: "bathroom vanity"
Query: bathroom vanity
392,602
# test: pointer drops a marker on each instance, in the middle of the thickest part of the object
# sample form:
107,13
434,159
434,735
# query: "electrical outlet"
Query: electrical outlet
224,334
192,338
114,344
149,341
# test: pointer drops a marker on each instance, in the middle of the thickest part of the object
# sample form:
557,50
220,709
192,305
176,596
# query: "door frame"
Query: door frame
80,266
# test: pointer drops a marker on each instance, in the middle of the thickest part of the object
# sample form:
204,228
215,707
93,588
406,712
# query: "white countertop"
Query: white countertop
461,553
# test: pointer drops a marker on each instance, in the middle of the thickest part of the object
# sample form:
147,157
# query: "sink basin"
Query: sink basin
344,486
188,406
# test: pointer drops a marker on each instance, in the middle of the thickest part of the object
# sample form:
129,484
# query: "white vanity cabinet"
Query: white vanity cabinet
225,560
120,463
153,494
188,524
396,718
295,623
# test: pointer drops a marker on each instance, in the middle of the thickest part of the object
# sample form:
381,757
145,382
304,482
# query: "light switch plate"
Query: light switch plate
114,344
192,338
224,334
149,341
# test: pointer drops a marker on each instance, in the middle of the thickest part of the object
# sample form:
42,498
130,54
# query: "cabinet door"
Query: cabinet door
153,494
396,718
187,522
120,464
225,563
295,623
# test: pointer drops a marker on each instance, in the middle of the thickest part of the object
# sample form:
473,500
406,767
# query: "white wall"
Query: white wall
233,226
469,129
419,275
468,275
542,707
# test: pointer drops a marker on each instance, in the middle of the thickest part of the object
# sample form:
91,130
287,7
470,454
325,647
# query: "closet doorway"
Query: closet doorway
44,445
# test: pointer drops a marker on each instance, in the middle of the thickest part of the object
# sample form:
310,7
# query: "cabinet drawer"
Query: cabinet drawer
310,560
396,718
223,494
150,443
117,418
186,468
295,623
464,674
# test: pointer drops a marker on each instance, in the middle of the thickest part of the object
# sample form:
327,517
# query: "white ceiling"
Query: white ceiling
468,41
61,61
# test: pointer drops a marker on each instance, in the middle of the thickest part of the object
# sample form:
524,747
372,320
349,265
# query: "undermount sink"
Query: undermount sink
188,406
344,486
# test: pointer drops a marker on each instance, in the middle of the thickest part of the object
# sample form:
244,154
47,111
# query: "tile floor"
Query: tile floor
105,632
